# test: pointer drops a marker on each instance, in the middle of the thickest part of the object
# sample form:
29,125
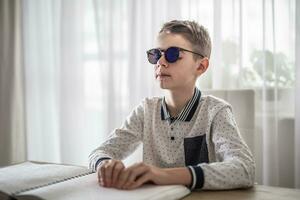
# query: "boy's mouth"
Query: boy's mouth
161,76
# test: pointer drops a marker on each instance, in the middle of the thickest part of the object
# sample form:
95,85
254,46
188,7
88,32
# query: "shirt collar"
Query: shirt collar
188,111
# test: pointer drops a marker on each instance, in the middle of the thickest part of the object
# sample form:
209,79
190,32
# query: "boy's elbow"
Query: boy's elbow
247,170
250,182
250,175
252,178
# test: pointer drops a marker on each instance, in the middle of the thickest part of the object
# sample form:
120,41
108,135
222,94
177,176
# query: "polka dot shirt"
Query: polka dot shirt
204,138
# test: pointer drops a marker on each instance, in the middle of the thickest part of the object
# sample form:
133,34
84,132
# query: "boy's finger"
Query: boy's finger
100,180
119,167
140,181
102,175
123,178
135,173
109,168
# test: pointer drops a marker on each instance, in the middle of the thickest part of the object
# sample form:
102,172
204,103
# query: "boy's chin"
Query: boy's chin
165,87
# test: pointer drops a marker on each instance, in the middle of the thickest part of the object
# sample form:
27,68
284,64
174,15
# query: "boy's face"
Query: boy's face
181,74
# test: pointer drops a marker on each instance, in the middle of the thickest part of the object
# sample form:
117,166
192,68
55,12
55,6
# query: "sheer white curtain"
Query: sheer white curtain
55,104
86,68
297,99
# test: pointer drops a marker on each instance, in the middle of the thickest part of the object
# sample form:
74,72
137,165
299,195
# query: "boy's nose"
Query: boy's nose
162,61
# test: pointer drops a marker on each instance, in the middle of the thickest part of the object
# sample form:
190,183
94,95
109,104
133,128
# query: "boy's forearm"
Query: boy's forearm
181,176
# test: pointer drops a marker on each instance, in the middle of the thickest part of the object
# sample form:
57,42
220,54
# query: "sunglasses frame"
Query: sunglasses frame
161,52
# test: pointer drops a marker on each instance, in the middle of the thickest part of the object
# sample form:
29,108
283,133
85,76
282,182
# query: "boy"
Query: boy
187,138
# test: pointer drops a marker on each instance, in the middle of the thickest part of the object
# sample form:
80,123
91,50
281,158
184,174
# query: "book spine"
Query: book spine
48,184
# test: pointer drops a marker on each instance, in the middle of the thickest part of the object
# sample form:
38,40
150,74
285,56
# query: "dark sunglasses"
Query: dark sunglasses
171,54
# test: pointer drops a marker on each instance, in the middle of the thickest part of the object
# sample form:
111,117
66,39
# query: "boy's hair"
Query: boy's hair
196,34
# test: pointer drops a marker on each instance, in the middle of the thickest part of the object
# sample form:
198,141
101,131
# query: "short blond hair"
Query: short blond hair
196,34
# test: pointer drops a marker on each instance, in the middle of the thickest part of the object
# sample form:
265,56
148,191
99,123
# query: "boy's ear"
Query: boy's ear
203,66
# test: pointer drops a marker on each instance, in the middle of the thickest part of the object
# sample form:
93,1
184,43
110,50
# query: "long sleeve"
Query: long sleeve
234,166
122,141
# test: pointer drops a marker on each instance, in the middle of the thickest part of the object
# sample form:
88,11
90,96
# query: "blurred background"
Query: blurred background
72,70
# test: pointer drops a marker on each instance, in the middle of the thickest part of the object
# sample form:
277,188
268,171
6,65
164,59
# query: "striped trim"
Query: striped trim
188,111
188,108
199,182
193,185
99,161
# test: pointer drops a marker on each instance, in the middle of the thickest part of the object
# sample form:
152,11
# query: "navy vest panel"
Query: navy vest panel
195,150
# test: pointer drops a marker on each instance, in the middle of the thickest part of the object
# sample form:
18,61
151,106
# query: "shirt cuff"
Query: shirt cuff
197,177
99,162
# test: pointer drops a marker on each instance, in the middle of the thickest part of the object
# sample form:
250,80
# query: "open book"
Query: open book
32,181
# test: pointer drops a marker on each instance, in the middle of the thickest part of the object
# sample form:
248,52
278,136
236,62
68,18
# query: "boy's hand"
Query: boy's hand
109,172
140,173
112,173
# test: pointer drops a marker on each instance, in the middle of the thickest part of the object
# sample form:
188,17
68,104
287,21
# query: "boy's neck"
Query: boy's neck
177,99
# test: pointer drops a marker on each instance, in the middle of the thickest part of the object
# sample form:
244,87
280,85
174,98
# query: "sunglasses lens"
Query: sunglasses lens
172,54
153,56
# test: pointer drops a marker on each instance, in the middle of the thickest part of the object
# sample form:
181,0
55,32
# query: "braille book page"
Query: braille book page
87,187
